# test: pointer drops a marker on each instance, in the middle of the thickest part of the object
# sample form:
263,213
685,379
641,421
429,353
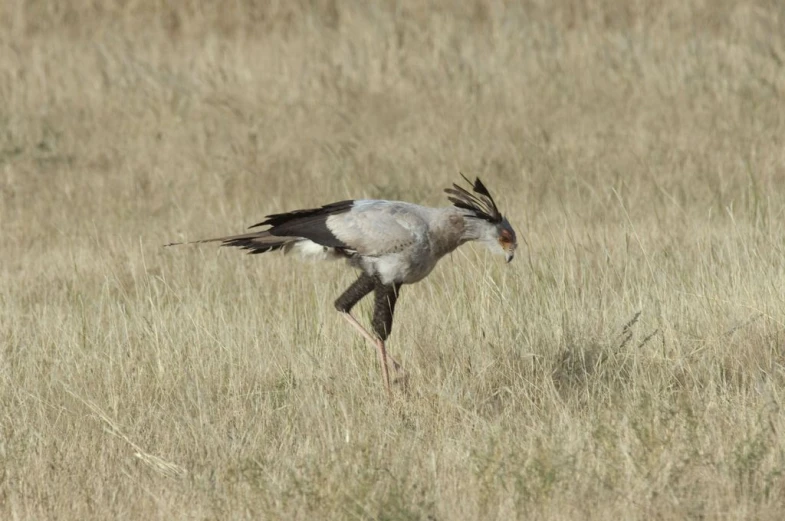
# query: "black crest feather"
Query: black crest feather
480,202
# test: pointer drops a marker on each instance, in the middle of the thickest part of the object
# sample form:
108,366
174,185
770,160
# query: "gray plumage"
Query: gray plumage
392,243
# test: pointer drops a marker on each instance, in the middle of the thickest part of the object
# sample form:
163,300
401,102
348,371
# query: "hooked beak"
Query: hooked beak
510,254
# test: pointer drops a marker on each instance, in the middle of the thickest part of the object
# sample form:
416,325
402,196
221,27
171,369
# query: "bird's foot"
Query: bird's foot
401,376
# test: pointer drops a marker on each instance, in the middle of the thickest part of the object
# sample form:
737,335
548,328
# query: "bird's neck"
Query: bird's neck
473,229
453,228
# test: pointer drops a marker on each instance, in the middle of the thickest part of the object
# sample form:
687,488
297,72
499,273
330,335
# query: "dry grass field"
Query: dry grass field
630,364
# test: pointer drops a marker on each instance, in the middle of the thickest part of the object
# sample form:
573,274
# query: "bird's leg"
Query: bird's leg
384,307
385,371
372,339
359,289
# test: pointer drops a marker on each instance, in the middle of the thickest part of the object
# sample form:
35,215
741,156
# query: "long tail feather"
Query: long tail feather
255,242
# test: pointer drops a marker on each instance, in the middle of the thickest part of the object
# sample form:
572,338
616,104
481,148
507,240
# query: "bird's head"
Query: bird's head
485,223
507,239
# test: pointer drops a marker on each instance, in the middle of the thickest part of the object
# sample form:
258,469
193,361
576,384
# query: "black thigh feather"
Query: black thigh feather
385,297
359,288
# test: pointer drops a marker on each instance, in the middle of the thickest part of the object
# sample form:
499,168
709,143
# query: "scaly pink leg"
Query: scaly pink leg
385,371
383,356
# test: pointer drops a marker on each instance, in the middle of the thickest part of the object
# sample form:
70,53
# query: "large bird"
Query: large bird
392,243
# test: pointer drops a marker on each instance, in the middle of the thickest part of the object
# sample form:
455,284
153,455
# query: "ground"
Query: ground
629,364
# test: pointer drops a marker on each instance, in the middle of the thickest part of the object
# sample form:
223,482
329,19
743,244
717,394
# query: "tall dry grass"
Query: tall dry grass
628,365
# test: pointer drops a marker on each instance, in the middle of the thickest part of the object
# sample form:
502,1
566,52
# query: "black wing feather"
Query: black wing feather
309,224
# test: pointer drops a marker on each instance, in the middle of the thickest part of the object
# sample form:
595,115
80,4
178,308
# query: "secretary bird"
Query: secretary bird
392,243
